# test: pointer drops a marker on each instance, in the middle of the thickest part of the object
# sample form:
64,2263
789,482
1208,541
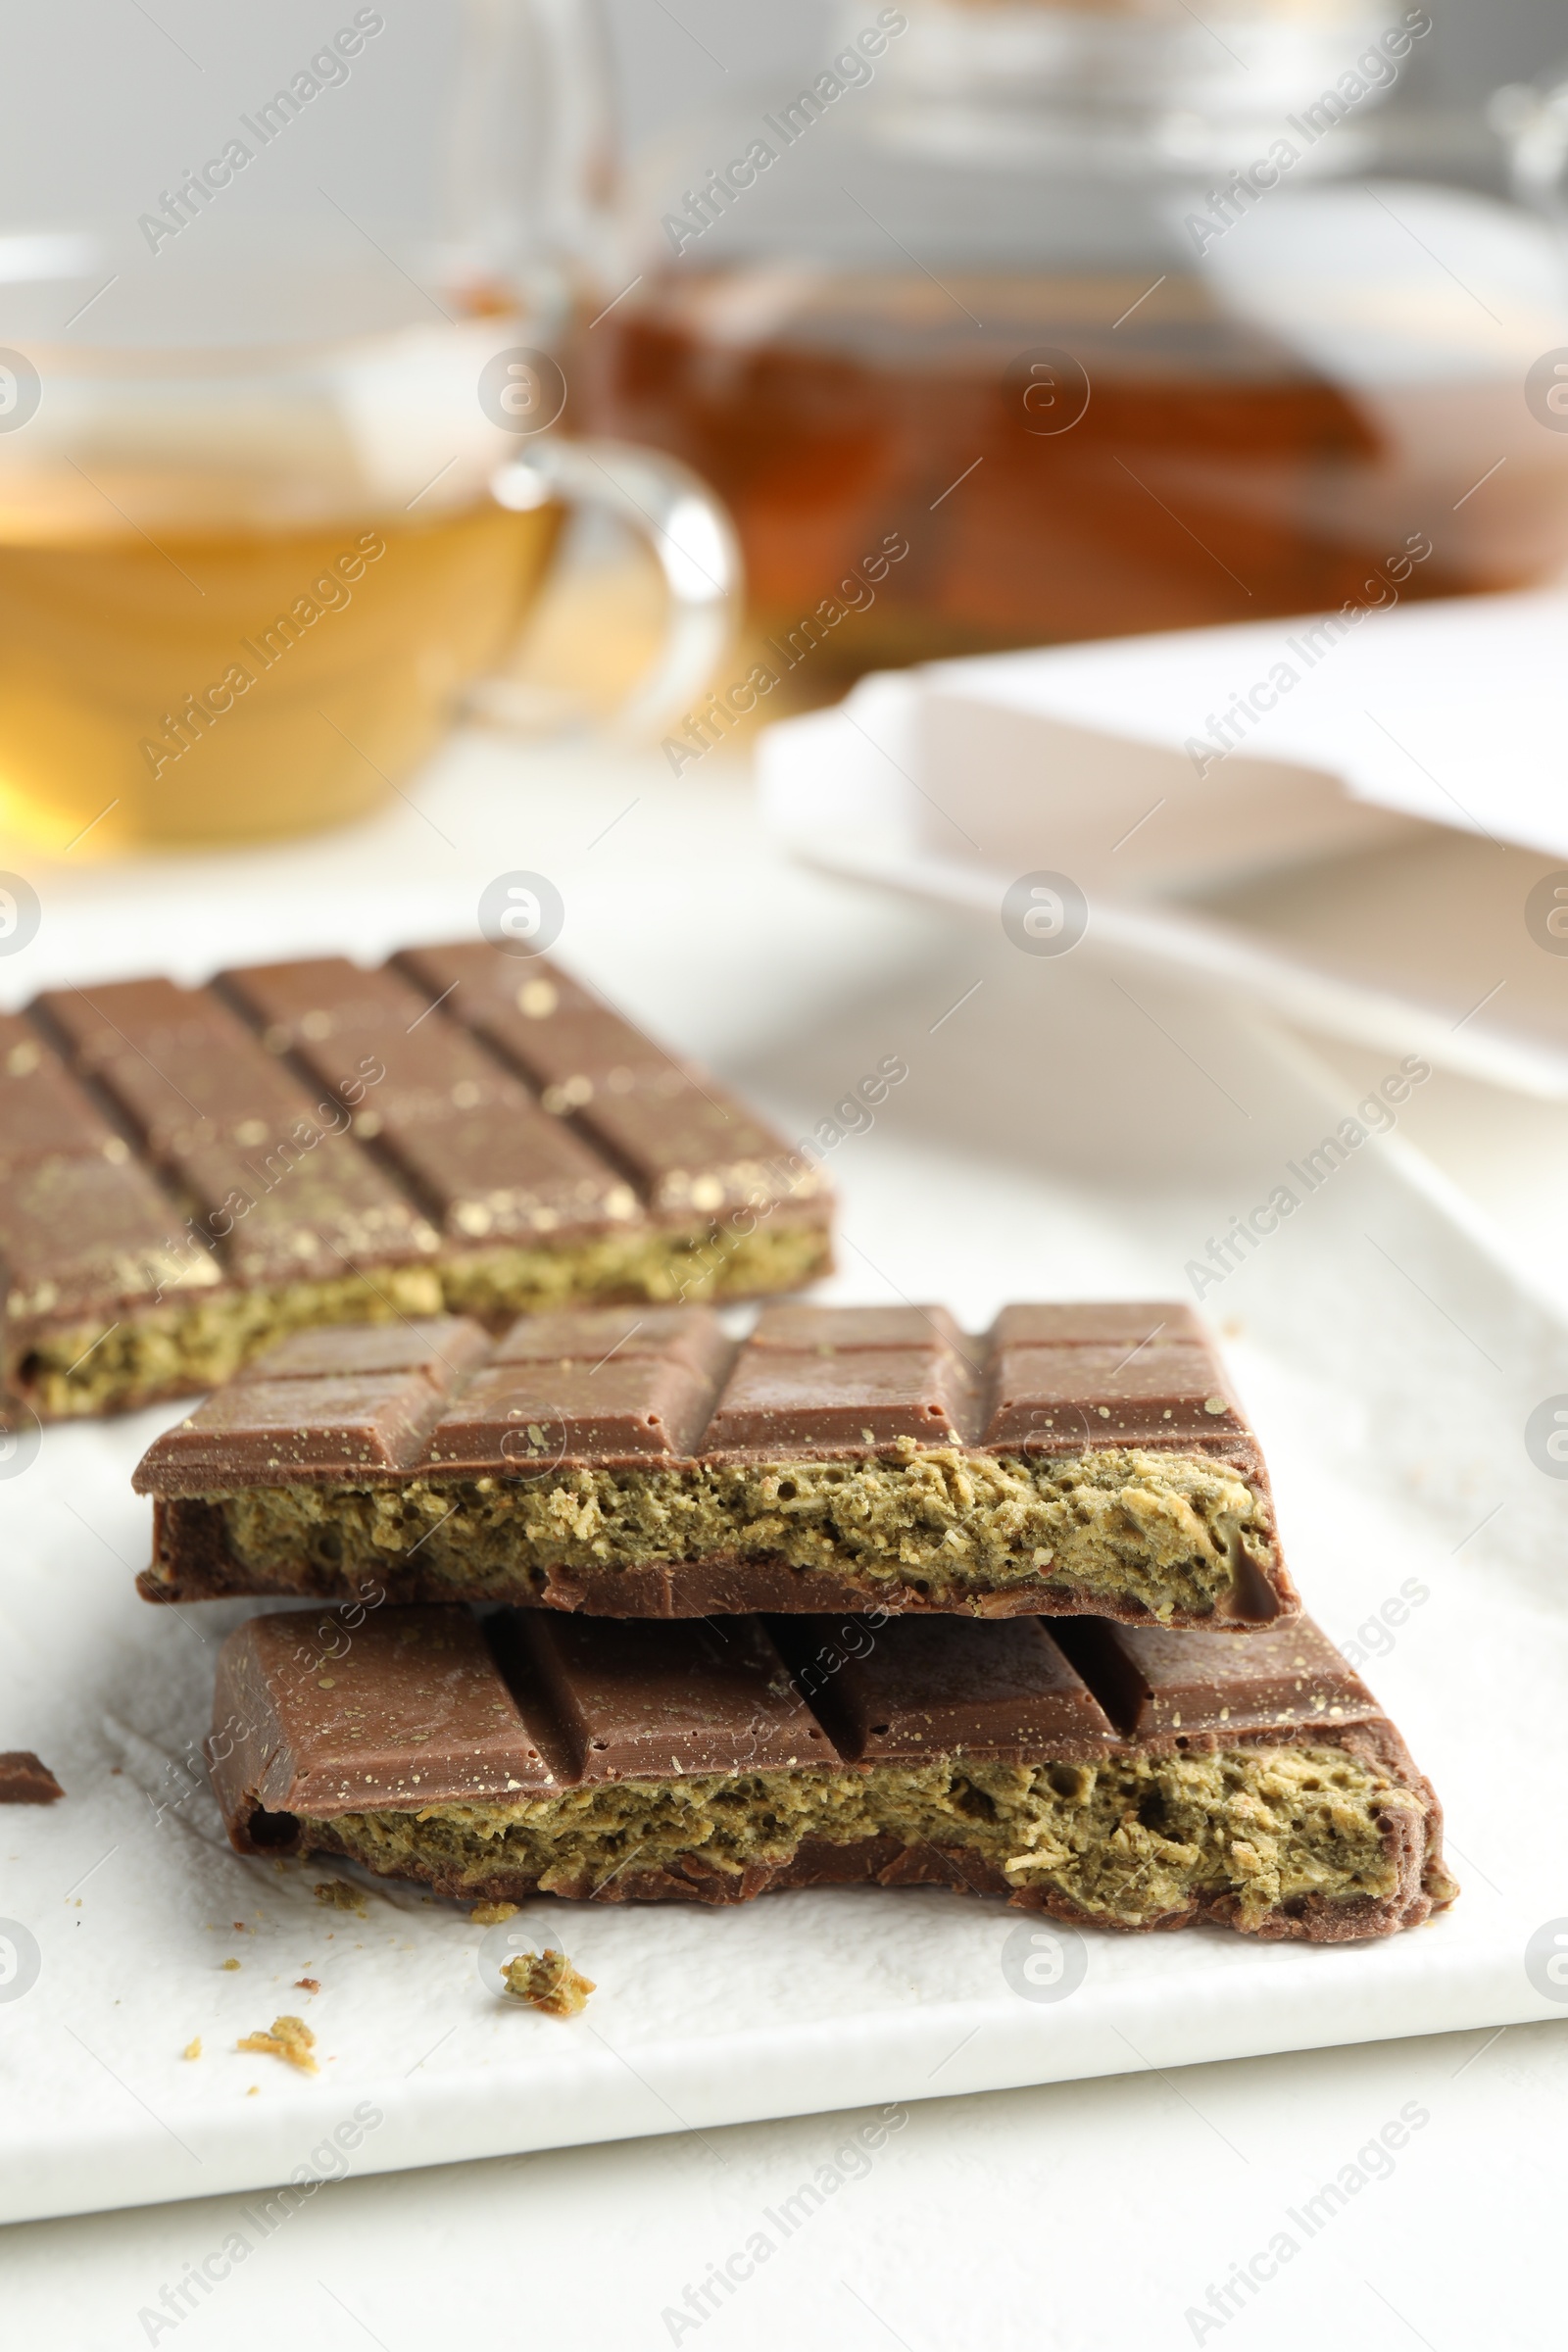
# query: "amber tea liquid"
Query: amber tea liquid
1213,475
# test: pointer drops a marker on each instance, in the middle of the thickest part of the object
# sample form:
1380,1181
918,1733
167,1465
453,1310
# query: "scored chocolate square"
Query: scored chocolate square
1003,1689
1158,1683
357,1422
467,1163
578,1055
573,1048
442,1348
852,1330
781,1403
692,1336
81,1241
671,1698
1126,1324
1049,1396
521,1419
639,1462
43,1115
404,1705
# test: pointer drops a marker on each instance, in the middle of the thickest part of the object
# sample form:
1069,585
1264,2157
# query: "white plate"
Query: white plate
1377,860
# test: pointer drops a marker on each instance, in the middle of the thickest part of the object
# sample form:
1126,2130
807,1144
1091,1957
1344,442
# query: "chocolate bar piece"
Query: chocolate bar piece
636,1462
1139,1780
186,1175
26,1780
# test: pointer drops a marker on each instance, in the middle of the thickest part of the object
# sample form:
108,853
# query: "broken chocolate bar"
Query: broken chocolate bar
636,1462
188,1174
1110,1775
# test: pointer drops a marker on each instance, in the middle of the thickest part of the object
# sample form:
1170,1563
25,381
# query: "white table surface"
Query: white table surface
1087,2214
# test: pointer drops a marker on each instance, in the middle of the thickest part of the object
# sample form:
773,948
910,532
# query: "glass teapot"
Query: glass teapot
1018,323
278,335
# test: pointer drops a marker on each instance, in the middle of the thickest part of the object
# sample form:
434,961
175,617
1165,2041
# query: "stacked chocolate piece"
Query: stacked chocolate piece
622,1607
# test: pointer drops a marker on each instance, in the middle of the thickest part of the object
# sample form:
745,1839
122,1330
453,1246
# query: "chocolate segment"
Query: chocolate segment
827,1400
91,1244
405,1708
364,1422
592,1336
43,1114
687,1144
1157,1684
1050,1396
612,1763
85,1242
649,1700
852,1330
518,1419
638,1463
441,1347
196,1172
1003,1689
489,1163
1125,1324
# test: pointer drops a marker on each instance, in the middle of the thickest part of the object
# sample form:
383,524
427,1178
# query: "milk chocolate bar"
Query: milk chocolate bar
188,1174
1125,1777
636,1461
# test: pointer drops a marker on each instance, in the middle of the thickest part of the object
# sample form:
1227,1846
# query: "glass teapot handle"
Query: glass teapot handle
528,145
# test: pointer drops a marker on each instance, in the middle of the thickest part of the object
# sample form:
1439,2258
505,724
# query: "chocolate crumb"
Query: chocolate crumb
25,1781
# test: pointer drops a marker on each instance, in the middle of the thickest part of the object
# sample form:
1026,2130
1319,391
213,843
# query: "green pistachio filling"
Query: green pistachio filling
1170,1531
1131,1841
195,1340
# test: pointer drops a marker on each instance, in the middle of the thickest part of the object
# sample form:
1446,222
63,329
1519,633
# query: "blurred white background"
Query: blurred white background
100,96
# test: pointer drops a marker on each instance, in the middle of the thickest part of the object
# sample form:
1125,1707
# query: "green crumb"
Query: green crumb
1170,1531
1133,1841
548,1981
339,1895
287,2038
